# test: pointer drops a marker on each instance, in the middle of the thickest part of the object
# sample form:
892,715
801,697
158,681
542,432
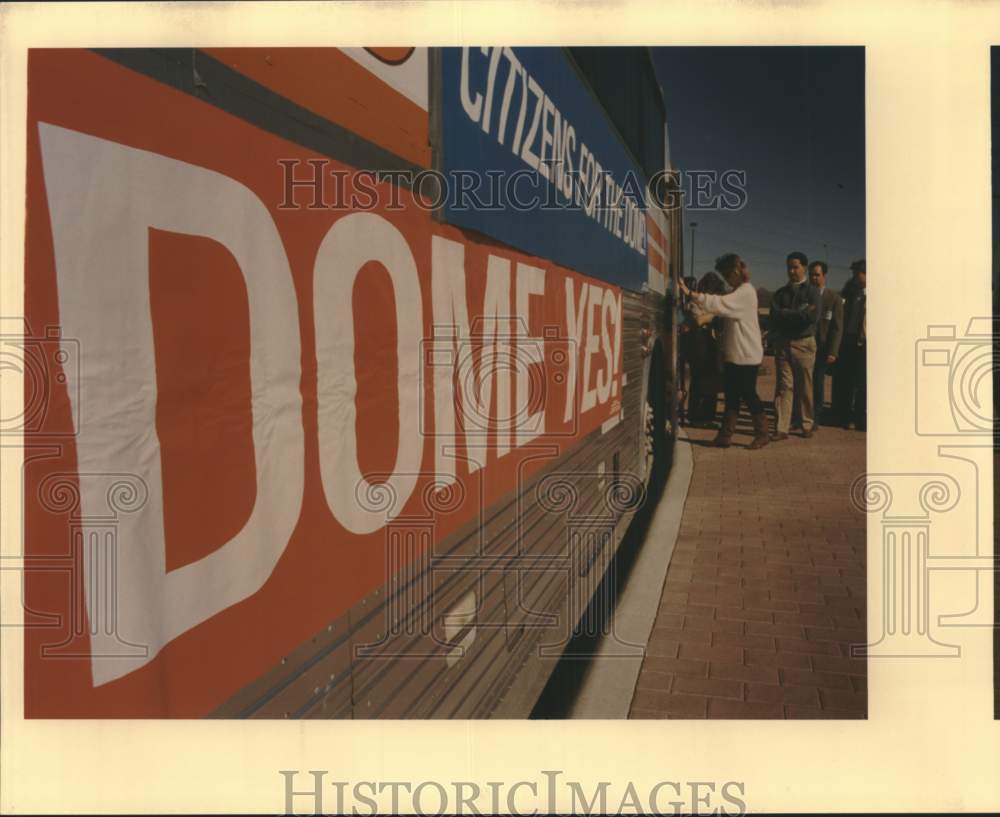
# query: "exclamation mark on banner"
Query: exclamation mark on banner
617,356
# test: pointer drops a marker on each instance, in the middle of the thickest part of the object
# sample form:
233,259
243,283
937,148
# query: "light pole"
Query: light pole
694,224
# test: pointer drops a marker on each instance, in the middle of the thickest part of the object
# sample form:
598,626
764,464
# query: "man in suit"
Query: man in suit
849,385
829,329
794,312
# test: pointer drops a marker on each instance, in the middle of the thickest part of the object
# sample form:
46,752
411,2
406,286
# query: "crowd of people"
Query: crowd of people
815,332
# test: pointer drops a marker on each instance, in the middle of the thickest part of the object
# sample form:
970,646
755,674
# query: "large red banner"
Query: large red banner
239,395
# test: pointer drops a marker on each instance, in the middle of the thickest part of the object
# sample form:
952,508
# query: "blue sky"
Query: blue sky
792,118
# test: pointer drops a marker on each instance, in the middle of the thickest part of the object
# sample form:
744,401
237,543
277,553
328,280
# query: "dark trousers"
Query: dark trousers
741,384
850,388
819,386
701,406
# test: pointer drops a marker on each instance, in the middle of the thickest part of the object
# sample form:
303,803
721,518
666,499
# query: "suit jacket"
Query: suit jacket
794,311
855,300
830,326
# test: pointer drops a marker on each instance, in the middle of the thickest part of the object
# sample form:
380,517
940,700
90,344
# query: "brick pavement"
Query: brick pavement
765,592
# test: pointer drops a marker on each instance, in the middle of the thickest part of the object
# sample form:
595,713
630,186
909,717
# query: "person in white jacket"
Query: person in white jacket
742,349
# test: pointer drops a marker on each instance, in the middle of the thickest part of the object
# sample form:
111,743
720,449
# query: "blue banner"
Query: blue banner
531,160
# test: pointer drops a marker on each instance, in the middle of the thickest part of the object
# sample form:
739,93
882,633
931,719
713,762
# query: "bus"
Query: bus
346,370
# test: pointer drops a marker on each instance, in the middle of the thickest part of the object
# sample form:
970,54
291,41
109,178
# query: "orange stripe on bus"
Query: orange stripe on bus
654,230
332,85
655,260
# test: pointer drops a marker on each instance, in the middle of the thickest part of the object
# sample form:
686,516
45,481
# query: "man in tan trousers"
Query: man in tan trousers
794,311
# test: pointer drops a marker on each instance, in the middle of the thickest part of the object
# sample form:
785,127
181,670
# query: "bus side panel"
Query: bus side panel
168,634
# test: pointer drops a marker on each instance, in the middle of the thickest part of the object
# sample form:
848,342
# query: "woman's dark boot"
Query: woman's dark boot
725,435
760,435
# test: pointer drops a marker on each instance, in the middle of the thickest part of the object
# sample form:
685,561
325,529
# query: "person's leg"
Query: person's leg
796,403
803,359
837,403
757,416
819,388
783,386
694,393
732,389
748,389
711,399
844,383
861,392
683,364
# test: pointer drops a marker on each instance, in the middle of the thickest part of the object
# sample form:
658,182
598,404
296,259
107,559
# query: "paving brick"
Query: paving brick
669,703
742,614
683,608
710,687
836,714
675,666
833,607
669,620
745,570
733,655
683,636
661,647
723,708
674,597
647,714
792,660
743,672
766,628
838,634
811,647
766,591
844,701
713,625
757,642
776,605
774,694
829,680
651,679
793,711
802,618
797,595
848,666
